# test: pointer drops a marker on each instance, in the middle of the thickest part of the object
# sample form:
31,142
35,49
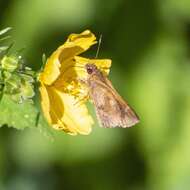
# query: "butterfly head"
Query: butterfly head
91,68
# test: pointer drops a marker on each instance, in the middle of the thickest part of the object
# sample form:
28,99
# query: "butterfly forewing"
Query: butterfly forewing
111,109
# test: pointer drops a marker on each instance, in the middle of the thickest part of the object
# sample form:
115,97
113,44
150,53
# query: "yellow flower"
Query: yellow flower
60,88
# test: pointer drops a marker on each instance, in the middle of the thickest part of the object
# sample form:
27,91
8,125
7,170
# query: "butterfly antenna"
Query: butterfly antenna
99,43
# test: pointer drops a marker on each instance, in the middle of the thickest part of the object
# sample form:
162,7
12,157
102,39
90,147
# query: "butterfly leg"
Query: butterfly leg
82,81
81,100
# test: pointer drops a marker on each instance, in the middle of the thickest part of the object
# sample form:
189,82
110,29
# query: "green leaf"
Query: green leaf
15,115
20,116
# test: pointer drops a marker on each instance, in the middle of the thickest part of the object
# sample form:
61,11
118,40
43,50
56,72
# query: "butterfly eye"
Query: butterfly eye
89,70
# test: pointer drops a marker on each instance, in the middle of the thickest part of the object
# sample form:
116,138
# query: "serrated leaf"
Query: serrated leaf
16,115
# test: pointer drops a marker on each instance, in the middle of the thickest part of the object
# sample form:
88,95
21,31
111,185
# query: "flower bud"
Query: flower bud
6,75
9,63
27,90
27,78
17,98
12,85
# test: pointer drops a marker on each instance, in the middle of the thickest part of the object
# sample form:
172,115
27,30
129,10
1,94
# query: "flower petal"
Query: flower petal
75,44
45,103
51,70
84,40
60,88
76,117
73,70
102,64
62,113
52,106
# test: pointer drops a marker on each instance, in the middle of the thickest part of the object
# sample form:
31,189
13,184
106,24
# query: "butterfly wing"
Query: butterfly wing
111,109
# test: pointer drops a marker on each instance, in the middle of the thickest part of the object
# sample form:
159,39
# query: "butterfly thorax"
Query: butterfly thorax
94,74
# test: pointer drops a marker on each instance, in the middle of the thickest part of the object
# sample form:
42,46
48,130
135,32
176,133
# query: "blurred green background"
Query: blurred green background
149,43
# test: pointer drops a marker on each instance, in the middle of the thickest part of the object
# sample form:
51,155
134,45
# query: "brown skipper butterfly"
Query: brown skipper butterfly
111,109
